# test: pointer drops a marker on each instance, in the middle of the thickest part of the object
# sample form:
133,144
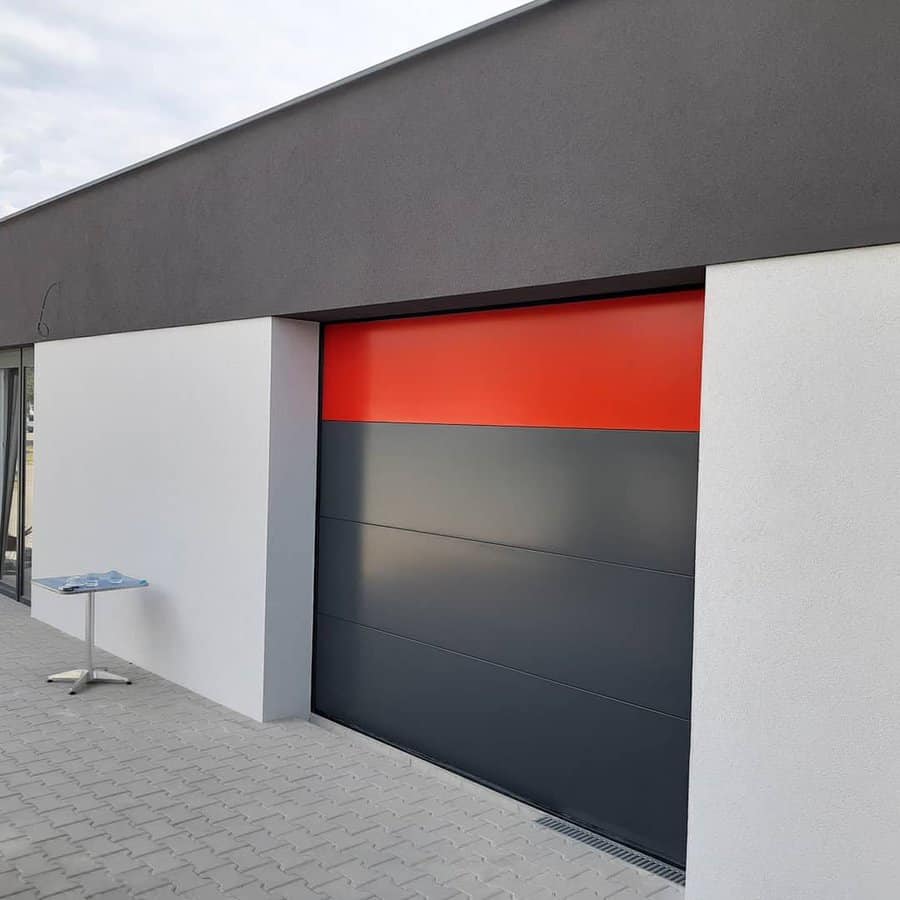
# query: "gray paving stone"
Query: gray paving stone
246,858
203,859
157,829
644,884
470,886
118,862
627,894
263,841
162,860
670,892
96,882
342,890
166,892
252,891
206,892
34,864
141,878
59,847
11,883
184,878
160,793
16,847
289,857
228,877
426,886
296,890
41,831
99,845
181,844
79,830
398,871
49,883
78,864
385,889
271,876
140,845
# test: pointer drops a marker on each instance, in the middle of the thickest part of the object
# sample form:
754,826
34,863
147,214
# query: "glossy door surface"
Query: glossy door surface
10,447
507,517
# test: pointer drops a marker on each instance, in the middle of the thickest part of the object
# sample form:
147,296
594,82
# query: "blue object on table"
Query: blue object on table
89,584
92,582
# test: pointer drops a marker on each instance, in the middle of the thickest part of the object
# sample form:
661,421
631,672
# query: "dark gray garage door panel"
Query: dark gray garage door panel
567,750
614,630
617,496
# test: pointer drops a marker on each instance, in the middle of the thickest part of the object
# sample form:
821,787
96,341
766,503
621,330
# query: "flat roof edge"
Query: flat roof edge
286,105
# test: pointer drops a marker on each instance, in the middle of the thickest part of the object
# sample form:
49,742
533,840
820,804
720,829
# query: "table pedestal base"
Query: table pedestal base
81,677
90,675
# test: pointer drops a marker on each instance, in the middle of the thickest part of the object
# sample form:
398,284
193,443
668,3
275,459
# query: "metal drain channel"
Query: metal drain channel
626,854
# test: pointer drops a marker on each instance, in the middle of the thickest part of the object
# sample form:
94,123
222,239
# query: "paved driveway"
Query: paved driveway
153,791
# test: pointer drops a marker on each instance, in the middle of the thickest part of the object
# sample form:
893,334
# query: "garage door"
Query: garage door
506,550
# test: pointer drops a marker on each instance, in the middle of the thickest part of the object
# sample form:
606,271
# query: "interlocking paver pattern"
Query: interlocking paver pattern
152,791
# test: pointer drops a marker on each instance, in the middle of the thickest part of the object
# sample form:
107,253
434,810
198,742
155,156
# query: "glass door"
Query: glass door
10,442
28,468
16,466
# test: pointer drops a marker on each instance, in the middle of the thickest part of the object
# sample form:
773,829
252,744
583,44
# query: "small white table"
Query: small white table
89,585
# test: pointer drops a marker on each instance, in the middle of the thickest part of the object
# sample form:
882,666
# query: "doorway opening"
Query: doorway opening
16,471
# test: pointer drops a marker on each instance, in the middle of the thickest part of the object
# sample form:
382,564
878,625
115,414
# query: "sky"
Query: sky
89,86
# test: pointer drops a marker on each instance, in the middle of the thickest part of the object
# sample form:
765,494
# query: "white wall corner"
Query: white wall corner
291,519
795,743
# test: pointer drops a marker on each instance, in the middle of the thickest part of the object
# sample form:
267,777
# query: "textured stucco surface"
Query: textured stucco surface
795,749
164,454
580,140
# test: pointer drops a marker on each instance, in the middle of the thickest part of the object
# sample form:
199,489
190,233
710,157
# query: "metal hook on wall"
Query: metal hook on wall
43,329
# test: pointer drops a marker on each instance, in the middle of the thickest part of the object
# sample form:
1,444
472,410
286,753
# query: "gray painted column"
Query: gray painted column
291,525
795,755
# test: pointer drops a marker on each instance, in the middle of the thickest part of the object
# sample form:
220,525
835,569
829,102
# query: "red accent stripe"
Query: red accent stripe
631,363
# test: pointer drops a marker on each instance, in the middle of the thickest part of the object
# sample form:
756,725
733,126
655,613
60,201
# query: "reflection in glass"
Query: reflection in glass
29,482
10,441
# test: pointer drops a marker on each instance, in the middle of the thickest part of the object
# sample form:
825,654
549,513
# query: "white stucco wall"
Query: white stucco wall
153,456
795,754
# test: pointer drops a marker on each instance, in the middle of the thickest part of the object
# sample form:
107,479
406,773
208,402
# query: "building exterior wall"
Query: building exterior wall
581,148
579,140
795,752
156,457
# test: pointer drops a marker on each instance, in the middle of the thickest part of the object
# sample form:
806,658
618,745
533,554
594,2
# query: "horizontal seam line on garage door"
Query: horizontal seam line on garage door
456,537
415,423
489,662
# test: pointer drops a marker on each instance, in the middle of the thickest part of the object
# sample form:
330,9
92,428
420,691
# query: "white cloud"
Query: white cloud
29,37
86,88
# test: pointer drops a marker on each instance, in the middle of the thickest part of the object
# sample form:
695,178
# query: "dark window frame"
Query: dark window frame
20,358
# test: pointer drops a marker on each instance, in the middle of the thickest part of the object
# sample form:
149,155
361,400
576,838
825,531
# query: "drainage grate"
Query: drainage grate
647,863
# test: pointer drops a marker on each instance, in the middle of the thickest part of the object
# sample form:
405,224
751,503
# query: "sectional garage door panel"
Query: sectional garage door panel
612,630
507,515
619,769
631,363
540,488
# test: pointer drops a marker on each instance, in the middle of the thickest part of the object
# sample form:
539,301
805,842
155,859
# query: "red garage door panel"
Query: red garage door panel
631,363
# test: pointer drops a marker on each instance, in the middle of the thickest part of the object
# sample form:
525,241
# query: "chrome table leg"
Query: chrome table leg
90,675
78,685
102,676
71,675
89,632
